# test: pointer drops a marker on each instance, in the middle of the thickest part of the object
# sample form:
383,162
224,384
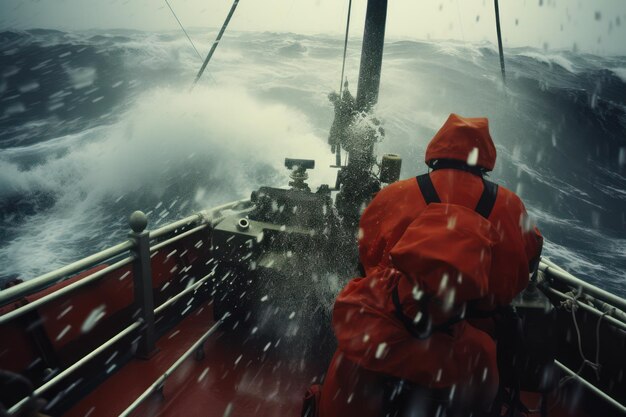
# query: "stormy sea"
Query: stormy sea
95,125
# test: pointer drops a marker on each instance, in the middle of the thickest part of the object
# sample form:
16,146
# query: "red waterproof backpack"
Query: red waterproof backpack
445,254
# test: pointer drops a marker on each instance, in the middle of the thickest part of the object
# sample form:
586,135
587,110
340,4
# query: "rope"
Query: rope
345,49
216,42
572,305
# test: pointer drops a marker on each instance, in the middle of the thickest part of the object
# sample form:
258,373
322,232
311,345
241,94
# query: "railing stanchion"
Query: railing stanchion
142,277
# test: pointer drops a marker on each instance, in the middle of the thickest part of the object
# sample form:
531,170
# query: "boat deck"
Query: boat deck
236,377
233,379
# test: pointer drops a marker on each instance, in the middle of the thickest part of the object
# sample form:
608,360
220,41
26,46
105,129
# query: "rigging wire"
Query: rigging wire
183,28
343,69
187,35
345,49
216,42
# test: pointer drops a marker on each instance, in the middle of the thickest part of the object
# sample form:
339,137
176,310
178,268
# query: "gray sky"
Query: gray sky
593,25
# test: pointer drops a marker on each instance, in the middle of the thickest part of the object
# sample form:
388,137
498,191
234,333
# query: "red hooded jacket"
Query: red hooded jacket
368,332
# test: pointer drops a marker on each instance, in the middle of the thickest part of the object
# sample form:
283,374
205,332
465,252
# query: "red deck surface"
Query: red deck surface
221,384
233,379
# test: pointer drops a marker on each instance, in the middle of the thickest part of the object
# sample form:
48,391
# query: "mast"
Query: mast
371,54
216,43
355,180
499,32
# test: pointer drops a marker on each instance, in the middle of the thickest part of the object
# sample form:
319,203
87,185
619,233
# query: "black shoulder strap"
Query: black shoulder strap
485,203
487,199
428,189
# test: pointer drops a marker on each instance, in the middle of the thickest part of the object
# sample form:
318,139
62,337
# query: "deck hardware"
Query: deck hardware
298,173
243,224
390,168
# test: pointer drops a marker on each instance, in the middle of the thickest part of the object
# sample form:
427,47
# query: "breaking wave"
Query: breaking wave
170,153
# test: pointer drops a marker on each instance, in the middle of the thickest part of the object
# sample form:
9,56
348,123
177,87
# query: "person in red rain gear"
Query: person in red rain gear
376,347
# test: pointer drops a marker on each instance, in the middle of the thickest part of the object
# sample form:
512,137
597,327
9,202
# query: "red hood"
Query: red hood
458,137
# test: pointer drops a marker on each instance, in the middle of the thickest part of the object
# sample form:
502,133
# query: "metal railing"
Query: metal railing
559,274
32,285
587,297
203,219
89,279
609,306
183,293
610,319
570,373
140,254
140,251
66,372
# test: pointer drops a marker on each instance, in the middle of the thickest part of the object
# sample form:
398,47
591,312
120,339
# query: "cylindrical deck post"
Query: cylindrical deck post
142,281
